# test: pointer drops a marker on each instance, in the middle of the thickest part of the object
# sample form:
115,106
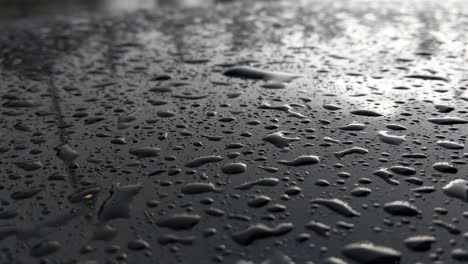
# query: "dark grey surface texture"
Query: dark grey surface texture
234,132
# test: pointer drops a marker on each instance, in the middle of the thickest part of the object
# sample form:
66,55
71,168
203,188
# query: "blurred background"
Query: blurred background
11,9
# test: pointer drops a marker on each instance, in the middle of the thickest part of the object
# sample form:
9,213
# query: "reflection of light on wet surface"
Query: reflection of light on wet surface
126,5
155,107
393,52
32,8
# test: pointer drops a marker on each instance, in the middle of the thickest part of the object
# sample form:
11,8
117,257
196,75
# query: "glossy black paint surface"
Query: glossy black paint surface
235,132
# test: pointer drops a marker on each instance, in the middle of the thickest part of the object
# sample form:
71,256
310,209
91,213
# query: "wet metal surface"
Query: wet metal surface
236,132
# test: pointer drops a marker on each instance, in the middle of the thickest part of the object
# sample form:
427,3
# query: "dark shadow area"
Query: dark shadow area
11,9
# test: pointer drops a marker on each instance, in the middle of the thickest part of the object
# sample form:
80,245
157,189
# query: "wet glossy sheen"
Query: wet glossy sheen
234,132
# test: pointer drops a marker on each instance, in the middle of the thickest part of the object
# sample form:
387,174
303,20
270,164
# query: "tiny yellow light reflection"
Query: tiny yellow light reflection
88,196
